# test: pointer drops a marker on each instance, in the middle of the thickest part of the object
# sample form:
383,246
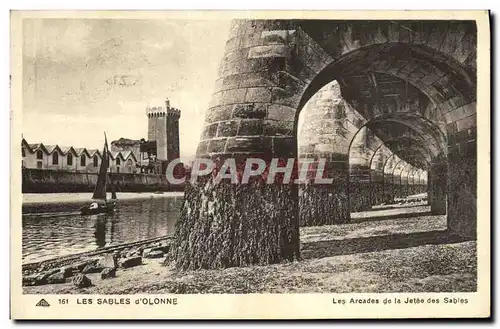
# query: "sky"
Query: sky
82,77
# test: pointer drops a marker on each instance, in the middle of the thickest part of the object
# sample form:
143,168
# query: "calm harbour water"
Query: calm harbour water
51,234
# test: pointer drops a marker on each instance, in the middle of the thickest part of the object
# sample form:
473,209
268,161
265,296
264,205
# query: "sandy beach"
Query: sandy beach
387,255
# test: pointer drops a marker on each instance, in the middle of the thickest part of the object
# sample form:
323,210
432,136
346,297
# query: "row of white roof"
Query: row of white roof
77,151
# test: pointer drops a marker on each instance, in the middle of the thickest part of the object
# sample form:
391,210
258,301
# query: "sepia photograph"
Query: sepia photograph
175,155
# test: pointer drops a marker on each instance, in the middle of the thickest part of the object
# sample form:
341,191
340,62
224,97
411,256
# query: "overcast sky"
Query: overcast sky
85,76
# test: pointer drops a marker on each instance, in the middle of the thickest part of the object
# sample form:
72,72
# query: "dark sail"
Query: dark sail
100,188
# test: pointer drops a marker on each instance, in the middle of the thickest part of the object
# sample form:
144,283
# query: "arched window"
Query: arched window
83,160
55,158
39,155
96,161
118,161
70,159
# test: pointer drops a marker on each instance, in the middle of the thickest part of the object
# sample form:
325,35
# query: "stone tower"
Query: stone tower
163,127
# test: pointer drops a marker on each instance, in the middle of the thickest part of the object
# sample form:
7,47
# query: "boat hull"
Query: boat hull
102,209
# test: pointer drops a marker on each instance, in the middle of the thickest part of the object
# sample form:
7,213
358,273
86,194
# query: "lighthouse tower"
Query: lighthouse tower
163,127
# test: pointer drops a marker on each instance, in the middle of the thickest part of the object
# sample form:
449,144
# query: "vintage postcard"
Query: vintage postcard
250,165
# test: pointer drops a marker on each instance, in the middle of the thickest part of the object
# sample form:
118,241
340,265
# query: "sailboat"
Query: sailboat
100,202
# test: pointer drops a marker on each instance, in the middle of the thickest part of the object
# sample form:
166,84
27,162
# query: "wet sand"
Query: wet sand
385,263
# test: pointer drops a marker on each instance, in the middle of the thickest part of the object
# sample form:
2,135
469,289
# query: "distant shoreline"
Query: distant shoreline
56,202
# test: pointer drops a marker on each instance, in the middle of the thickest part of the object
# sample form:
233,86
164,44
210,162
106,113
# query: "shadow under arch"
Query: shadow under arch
430,128
355,61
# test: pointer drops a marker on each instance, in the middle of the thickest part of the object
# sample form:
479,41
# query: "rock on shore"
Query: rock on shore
106,266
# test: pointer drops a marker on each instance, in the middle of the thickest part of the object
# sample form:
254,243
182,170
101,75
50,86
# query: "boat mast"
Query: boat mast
100,188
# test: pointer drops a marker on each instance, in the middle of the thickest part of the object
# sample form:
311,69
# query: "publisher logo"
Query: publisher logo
43,303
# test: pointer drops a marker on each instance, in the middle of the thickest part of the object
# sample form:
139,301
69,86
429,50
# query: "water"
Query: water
51,234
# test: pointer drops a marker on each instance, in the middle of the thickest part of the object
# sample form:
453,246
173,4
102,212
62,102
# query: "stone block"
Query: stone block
452,39
256,79
229,82
227,128
209,131
466,123
68,271
283,97
233,96
92,268
269,65
304,38
468,44
36,279
268,51
276,37
471,60
258,95
249,144
290,83
131,262
281,112
108,273
219,113
161,248
250,40
322,148
216,145
298,68
454,115
437,34
202,148
250,111
278,128
153,254
236,55
284,147
81,281
378,35
470,109
452,104
56,278
108,261
309,56
254,127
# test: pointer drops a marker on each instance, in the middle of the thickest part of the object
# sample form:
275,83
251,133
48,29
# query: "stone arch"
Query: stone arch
415,128
270,69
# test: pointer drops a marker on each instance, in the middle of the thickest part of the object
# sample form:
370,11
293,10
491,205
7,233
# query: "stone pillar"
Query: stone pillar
396,178
329,125
462,187
437,187
326,204
405,173
360,188
377,176
262,76
389,191
423,178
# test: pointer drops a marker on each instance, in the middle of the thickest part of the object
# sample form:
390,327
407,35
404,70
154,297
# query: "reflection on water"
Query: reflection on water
50,235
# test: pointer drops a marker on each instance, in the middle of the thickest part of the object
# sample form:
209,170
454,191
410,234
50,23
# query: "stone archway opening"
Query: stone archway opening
391,158
357,150
270,70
